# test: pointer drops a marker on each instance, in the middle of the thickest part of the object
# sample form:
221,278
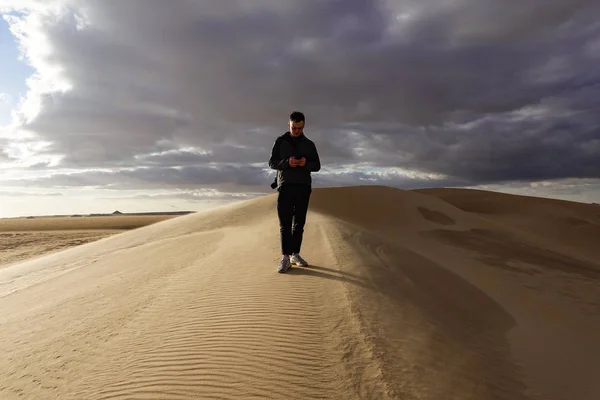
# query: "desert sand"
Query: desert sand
425,294
26,237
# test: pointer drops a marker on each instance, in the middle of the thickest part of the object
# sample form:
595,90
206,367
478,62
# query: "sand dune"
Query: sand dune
23,238
434,294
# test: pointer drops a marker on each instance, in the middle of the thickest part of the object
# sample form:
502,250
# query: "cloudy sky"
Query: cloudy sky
141,105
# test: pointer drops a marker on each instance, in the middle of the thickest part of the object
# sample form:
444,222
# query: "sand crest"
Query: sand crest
433,294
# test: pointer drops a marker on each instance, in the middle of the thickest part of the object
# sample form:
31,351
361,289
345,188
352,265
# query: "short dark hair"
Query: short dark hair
297,116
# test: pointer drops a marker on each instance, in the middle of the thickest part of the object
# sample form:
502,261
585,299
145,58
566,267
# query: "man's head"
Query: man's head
296,123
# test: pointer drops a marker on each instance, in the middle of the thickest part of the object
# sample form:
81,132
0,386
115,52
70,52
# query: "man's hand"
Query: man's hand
297,162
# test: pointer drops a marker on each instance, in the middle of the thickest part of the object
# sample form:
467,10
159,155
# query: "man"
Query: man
294,156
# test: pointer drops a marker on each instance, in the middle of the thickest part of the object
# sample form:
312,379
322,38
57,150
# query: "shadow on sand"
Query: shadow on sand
326,273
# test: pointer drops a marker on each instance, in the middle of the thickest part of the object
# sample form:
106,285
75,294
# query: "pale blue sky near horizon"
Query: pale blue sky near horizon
13,72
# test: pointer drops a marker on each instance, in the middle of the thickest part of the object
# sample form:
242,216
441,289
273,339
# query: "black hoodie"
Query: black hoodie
287,146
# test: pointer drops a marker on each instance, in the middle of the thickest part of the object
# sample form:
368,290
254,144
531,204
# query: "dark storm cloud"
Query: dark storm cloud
479,91
3,151
150,177
228,180
21,194
394,180
8,153
548,142
220,153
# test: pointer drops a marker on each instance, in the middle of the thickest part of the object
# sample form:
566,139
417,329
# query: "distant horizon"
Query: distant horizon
104,214
61,212
207,206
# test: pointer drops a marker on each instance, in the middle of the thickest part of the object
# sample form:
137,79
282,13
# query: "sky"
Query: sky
14,73
151,105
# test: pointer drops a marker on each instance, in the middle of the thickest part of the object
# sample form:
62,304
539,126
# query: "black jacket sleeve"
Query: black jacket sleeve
275,161
314,163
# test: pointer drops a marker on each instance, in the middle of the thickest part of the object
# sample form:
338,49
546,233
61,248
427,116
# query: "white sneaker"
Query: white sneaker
298,260
284,264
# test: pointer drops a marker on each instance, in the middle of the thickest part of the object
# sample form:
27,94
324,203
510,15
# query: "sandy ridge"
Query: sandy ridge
410,295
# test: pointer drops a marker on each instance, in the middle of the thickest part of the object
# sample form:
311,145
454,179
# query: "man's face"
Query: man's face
296,128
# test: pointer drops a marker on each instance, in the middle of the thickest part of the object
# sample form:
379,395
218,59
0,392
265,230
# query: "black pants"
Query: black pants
292,206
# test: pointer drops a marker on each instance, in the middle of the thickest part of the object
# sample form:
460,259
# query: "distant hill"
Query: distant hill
115,213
